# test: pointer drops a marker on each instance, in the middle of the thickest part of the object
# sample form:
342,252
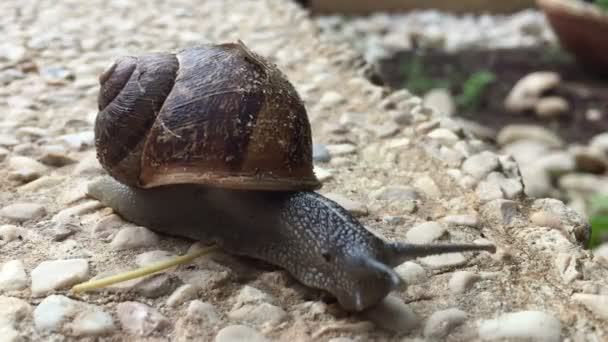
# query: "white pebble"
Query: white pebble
56,313
251,295
239,333
57,274
21,212
140,319
200,311
133,237
10,233
411,273
263,314
444,260
13,312
524,325
13,276
182,294
444,136
26,169
462,220
440,323
481,164
394,315
354,207
425,232
153,257
462,281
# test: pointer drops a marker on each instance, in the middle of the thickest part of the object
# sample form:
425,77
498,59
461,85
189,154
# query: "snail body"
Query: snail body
222,152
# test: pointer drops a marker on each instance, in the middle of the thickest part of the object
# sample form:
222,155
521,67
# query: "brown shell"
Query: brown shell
217,115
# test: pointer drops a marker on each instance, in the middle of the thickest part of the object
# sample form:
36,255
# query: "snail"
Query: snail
214,143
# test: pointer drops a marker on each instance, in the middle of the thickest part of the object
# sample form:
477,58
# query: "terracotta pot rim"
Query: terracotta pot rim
575,8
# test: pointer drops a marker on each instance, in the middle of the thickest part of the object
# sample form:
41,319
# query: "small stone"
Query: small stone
341,149
394,315
58,274
13,312
425,232
157,285
259,314
511,188
601,250
526,151
524,325
599,142
411,273
331,98
462,281
320,153
444,260
516,132
78,141
55,155
239,333
551,106
322,174
21,212
181,295
440,323
427,186
13,276
201,311
597,304
584,183
537,182
251,295
354,207
41,183
10,233
527,91
481,164
25,169
153,257
140,319
444,136
56,313
557,163
133,237
440,100
488,191
385,130
71,213
395,193
501,211
462,220
8,140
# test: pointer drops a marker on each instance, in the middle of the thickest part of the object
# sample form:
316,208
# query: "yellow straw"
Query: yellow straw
141,272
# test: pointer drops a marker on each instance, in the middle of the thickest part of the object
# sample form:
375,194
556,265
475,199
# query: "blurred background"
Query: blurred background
530,76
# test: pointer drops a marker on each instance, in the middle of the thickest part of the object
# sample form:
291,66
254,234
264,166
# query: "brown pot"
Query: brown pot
582,29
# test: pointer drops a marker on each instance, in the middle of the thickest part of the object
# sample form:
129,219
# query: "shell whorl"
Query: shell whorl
217,115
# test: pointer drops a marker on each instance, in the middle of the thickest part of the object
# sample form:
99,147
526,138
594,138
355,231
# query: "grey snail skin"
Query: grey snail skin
213,143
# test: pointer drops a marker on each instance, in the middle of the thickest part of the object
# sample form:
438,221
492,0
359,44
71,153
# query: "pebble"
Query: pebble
488,191
601,250
10,233
441,100
527,91
322,174
481,164
566,266
599,141
58,274
537,182
584,183
444,260
320,153
42,183
551,107
21,212
394,315
425,232
140,319
251,295
524,325
462,281
557,162
13,276
133,237
441,323
56,313
427,186
55,155
263,314
444,136
462,220
181,295
597,304
157,285
78,141
153,257
411,273
555,214
25,169
331,98
526,151
511,188
201,311
516,132
239,333
354,207
395,193
341,149
589,159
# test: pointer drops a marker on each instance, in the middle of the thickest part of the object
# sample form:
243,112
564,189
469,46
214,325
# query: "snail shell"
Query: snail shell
216,115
